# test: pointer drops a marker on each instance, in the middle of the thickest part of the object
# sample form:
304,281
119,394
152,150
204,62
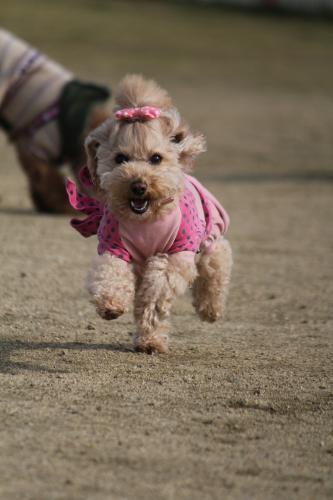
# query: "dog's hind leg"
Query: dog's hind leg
46,184
210,289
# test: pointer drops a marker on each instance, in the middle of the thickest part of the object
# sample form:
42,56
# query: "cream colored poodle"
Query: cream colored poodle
159,230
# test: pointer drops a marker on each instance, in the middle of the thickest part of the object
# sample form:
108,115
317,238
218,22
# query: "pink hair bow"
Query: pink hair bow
144,113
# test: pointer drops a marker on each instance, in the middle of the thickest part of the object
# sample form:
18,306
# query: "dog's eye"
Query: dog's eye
120,158
177,138
155,159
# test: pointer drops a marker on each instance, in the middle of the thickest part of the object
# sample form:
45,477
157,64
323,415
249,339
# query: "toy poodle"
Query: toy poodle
46,114
159,230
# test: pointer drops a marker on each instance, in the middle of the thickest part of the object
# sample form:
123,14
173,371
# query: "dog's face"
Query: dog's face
138,167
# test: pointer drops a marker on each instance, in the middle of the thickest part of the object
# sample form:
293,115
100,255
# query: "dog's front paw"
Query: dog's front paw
154,344
108,309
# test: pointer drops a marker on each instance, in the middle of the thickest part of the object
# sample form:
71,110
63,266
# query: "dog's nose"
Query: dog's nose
138,188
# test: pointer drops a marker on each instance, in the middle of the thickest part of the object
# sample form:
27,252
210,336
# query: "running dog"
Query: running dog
159,230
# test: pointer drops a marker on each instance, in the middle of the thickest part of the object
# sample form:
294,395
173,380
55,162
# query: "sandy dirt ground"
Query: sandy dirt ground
237,410
241,409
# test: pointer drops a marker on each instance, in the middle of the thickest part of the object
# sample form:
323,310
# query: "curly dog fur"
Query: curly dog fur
153,284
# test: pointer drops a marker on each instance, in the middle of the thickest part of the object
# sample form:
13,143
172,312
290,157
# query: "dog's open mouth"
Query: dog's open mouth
139,205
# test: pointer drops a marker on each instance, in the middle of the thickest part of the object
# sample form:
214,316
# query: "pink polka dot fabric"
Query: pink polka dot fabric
196,232
100,221
87,205
109,238
192,229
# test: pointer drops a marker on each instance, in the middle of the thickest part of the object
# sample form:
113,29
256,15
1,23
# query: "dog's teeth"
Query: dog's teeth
139,206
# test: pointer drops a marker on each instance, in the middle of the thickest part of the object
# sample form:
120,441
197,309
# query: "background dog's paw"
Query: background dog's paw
151,345
107,309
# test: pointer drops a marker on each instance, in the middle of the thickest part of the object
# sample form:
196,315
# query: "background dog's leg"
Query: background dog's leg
210,289
163,279
46,184
111,283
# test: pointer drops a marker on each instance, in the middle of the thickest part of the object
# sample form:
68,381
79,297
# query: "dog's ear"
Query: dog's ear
189,145
91,146
92,143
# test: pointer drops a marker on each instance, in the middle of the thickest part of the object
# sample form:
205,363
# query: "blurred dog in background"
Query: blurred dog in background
46,113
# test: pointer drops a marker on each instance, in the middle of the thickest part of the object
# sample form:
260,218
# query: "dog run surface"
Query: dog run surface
240,409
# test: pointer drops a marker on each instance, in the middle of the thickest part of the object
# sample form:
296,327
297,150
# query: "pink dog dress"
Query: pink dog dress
193,226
